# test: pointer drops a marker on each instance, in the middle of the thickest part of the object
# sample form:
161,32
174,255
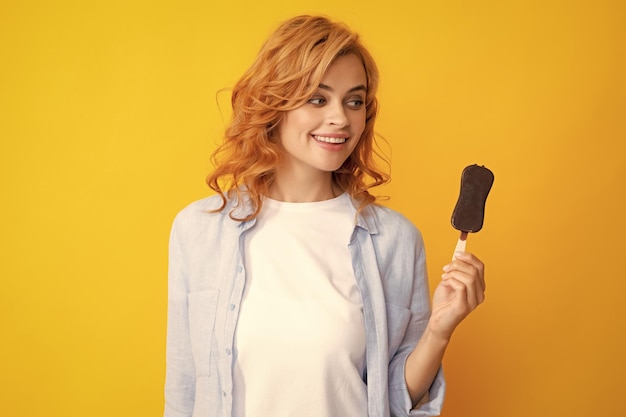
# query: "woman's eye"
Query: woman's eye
318,101
355,103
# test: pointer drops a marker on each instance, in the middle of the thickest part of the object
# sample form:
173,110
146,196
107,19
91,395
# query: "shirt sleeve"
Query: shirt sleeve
430,405
180,372
419,314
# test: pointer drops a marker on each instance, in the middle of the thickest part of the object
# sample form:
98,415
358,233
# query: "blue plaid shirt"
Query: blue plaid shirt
206,282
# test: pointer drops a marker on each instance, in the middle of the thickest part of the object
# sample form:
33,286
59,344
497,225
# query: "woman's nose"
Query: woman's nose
337,115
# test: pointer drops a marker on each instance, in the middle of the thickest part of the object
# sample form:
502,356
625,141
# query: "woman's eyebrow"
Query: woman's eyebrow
352,90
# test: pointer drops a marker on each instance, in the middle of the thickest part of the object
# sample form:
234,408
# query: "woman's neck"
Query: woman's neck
292,189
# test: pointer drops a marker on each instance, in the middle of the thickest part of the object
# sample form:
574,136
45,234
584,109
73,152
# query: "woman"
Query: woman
291,292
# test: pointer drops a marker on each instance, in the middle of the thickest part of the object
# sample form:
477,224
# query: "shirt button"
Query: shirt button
224,393
239,269
231,307
228,351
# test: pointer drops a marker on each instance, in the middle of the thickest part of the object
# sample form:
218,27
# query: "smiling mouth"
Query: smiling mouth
327,139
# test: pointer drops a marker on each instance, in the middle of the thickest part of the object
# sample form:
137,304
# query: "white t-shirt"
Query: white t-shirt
300,339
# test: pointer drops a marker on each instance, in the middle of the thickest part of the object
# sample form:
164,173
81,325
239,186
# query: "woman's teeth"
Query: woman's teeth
329,140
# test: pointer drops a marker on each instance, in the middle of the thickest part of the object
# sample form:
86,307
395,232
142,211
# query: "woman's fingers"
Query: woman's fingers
469,264
467,295
466,273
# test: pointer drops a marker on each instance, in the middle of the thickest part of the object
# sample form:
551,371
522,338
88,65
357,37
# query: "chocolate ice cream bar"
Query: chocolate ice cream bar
469,212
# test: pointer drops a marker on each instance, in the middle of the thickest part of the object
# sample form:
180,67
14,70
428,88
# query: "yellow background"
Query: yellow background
109,111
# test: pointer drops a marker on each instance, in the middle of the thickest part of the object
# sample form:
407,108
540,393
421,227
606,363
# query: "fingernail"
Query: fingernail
458,253
446,267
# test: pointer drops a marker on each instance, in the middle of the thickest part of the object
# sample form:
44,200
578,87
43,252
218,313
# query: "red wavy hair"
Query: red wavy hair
285,74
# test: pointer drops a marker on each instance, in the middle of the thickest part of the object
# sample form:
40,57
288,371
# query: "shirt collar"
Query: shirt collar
367,219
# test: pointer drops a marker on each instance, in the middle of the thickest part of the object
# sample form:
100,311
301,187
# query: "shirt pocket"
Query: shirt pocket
397,322
202,311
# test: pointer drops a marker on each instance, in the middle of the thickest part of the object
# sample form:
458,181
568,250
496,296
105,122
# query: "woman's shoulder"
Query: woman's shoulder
202,228
205,212
396,239
391,229
387,218
204,205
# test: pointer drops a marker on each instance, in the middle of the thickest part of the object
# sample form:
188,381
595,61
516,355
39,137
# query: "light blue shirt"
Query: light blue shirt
206,282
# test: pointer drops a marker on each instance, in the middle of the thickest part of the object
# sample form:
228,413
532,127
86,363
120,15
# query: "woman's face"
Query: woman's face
320,135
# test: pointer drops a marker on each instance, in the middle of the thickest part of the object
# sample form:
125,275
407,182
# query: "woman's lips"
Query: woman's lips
330,139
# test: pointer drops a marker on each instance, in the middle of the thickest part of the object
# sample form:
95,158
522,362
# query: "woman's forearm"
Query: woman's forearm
423,364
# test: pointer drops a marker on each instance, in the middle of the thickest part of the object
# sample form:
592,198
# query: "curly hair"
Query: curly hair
285,74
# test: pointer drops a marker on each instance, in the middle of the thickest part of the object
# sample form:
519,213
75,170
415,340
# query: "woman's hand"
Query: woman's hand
461,290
